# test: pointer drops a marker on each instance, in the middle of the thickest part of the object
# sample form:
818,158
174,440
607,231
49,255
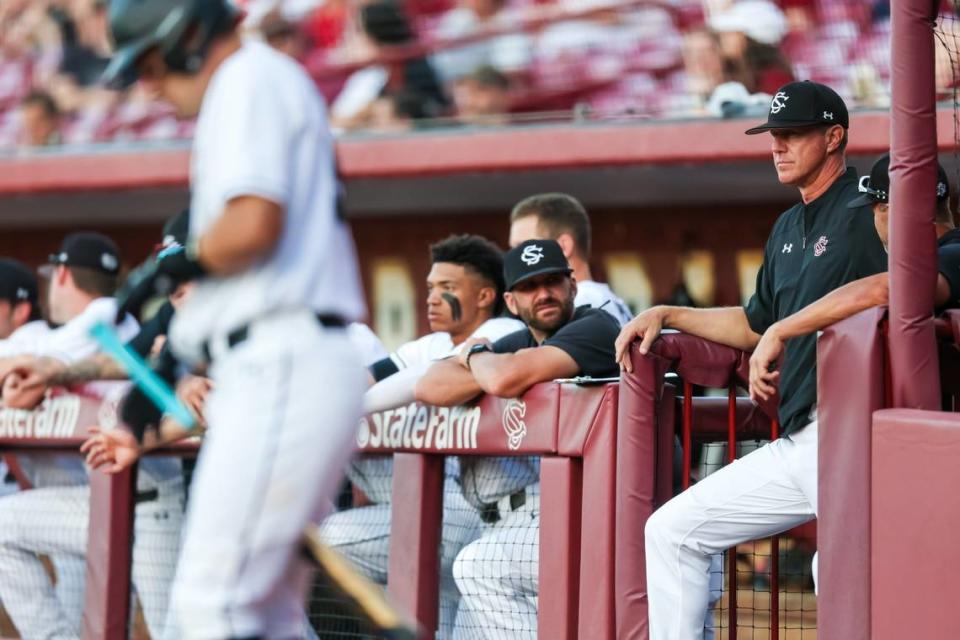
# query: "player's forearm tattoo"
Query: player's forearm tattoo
86,370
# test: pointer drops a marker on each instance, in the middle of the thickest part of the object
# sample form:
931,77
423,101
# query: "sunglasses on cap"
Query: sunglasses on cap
864,187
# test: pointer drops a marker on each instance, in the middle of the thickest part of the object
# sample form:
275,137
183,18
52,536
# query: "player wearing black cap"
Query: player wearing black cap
19,314
19,306
497,575
40,372
82,278
815,246
866,292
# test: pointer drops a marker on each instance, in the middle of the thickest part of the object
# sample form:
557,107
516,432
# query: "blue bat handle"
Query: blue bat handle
142,375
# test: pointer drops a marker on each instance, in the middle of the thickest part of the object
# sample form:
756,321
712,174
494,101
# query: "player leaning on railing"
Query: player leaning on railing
816,246
498,574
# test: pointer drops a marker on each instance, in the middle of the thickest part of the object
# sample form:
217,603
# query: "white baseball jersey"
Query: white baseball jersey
262,131
599,295
29,331
366,342
286,400
72,341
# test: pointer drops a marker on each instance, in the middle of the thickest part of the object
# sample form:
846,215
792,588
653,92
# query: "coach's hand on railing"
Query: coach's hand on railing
111,451
646,326
763,381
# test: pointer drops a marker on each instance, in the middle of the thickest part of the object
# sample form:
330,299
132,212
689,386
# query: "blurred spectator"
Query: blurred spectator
395,112
482,98
385,25
40,120
325,26
732,100
703,65
801,14
283,35
509,54
84,38
750,35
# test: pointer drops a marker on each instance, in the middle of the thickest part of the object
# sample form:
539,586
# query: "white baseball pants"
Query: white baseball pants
363,536
766,492
498,576
54,521
282,419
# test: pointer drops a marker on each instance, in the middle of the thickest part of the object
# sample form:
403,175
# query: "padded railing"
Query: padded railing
59,425
651,415
572,429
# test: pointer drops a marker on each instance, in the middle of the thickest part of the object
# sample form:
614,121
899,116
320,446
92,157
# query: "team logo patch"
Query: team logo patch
513,423
779,102
821,246
108,261
787,247
532,255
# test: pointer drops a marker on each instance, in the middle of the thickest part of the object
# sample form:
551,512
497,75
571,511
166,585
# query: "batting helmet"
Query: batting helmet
181,30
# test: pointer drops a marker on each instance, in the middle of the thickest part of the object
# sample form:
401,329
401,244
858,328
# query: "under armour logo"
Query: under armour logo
941,189
787,247
779,102
532,255
22,294
828,115
820,246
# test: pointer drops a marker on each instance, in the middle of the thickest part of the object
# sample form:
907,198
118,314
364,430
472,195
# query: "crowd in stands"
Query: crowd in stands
394,65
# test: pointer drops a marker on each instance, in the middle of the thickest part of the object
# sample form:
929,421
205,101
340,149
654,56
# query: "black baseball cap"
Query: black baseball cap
86,249
804,104
533,258
876,187
17,282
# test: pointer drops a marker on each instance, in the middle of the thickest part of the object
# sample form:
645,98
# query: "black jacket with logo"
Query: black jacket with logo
813,249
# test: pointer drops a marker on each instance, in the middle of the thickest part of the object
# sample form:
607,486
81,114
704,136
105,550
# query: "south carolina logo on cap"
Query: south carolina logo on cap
532,255
779,102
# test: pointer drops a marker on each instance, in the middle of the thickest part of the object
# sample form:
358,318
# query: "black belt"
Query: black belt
239,335
146,496
490,513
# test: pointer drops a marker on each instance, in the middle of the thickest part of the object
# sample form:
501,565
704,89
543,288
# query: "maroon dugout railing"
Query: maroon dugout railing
59,425
572,428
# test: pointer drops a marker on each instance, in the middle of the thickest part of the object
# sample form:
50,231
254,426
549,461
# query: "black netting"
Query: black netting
488,554
754,566
42,546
